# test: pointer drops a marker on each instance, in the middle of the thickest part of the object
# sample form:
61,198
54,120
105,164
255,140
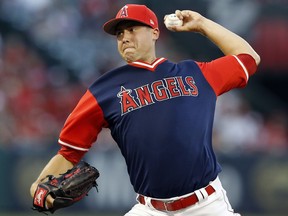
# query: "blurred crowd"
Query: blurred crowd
37,94
34,98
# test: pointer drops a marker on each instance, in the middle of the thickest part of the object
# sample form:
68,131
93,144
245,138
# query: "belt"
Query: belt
175,205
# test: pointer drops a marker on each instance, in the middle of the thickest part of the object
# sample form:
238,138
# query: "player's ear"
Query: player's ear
156,33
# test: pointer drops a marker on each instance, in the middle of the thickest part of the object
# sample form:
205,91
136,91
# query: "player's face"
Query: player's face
136,42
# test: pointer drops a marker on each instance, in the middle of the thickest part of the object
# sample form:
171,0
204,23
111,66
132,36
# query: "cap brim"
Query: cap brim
110,26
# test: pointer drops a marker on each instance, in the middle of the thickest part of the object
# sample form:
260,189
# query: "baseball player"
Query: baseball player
160,113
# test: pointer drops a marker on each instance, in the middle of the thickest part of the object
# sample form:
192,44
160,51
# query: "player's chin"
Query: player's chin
128,57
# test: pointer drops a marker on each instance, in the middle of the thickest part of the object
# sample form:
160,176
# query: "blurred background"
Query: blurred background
51,51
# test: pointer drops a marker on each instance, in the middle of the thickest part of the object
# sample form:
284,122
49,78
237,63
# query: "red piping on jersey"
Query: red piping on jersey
147,66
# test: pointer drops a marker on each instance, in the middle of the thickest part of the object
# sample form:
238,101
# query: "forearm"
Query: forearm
228,42
56,166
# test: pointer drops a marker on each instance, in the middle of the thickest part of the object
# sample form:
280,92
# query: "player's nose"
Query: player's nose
126,36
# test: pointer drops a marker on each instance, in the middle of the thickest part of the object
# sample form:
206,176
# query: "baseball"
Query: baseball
172,20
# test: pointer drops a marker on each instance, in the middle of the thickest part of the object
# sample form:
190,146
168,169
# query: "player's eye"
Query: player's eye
131,29
119,34
134,27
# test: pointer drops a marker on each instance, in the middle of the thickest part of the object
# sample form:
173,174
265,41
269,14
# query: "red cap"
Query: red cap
133,12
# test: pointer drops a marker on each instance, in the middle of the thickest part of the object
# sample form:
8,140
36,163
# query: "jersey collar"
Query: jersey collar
148,66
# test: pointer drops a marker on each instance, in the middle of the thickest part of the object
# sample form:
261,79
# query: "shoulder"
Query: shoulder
110,75
114,72
182,63
189,64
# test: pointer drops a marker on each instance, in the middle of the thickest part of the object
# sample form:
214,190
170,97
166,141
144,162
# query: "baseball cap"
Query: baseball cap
133,12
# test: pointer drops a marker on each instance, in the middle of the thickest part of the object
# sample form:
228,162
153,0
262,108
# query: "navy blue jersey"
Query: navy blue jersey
161,116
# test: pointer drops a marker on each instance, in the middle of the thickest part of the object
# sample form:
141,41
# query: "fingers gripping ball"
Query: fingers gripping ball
67,189
172,20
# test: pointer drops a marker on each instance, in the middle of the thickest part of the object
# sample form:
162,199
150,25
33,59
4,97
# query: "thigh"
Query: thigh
142,210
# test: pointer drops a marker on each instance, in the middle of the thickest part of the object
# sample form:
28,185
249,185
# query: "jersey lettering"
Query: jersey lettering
183,89
190,81
172,87
159,90
144,95
127,100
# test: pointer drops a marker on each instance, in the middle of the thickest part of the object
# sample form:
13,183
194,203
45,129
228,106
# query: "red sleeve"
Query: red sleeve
228,72
81,128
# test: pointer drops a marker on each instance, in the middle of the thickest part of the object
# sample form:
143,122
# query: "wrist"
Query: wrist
204,25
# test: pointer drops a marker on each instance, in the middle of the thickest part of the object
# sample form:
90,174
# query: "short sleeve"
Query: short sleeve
228,72
81,128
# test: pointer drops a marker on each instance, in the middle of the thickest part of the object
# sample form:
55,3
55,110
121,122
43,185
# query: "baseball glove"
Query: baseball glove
67,189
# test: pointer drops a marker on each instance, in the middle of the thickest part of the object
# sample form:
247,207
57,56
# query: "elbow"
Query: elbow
33,188
257,58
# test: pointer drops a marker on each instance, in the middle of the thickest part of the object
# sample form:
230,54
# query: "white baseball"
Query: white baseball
172,20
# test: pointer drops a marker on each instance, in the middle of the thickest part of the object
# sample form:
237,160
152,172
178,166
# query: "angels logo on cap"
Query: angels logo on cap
132,12
124,12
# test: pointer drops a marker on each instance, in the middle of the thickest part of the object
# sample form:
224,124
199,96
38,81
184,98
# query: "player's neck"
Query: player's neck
149,60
